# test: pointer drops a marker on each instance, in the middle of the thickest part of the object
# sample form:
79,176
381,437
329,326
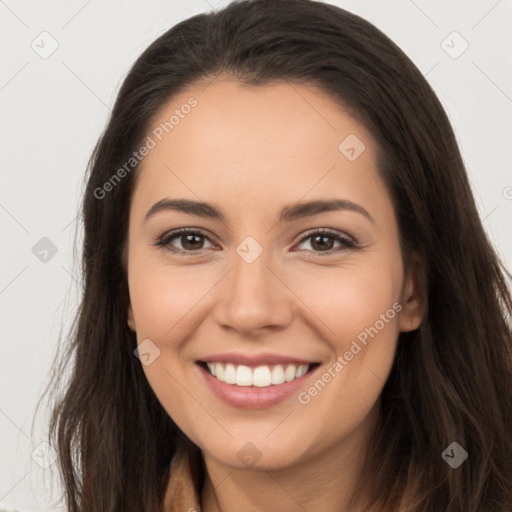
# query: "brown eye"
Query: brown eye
189,240
323,242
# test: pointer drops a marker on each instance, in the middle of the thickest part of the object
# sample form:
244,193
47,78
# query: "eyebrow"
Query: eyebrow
288,213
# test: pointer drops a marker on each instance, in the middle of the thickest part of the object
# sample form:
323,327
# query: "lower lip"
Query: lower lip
253,397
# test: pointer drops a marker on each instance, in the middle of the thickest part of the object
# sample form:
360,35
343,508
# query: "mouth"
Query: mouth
258,386
261,376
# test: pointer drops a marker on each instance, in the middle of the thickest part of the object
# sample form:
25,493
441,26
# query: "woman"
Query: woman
290,302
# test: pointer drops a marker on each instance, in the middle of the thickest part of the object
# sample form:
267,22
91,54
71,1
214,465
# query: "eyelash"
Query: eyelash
164,241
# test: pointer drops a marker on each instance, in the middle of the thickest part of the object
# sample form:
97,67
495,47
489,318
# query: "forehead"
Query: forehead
281,142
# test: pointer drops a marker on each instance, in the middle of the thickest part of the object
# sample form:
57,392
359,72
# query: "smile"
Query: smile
255,385
261,376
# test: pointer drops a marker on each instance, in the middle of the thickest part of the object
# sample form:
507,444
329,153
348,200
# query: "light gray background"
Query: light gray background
54,109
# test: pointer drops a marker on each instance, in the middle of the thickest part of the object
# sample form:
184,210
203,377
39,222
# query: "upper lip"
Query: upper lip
255,359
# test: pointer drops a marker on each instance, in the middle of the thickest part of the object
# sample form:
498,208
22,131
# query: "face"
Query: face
295,308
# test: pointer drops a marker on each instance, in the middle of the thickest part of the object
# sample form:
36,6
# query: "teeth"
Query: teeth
302,370
230,374
261,377
278,375
243,376
211,367
290,372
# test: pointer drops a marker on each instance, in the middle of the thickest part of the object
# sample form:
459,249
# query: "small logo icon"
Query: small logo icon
44,45
44,455
44,250
147,352
249,454
249,250
454,45
351,147
454,455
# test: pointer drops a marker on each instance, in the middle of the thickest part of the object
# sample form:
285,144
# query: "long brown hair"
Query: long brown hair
452,377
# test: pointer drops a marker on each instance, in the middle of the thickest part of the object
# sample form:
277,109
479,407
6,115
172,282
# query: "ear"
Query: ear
414,295
131,318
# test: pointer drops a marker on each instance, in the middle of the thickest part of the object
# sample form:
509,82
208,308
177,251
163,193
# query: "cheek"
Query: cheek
162,296
352,298
163,300
357,308
362,307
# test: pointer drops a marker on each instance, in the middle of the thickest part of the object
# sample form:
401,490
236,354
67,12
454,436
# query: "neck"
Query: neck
324,481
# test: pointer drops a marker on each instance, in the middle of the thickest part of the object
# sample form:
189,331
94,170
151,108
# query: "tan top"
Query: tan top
183,492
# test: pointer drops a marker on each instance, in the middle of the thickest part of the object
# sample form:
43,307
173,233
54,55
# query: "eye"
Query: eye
190,240
322,241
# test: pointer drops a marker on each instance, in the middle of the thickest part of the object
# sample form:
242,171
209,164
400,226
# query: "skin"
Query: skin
251,151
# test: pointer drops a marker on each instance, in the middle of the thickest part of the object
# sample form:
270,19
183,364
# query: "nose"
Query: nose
253,298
